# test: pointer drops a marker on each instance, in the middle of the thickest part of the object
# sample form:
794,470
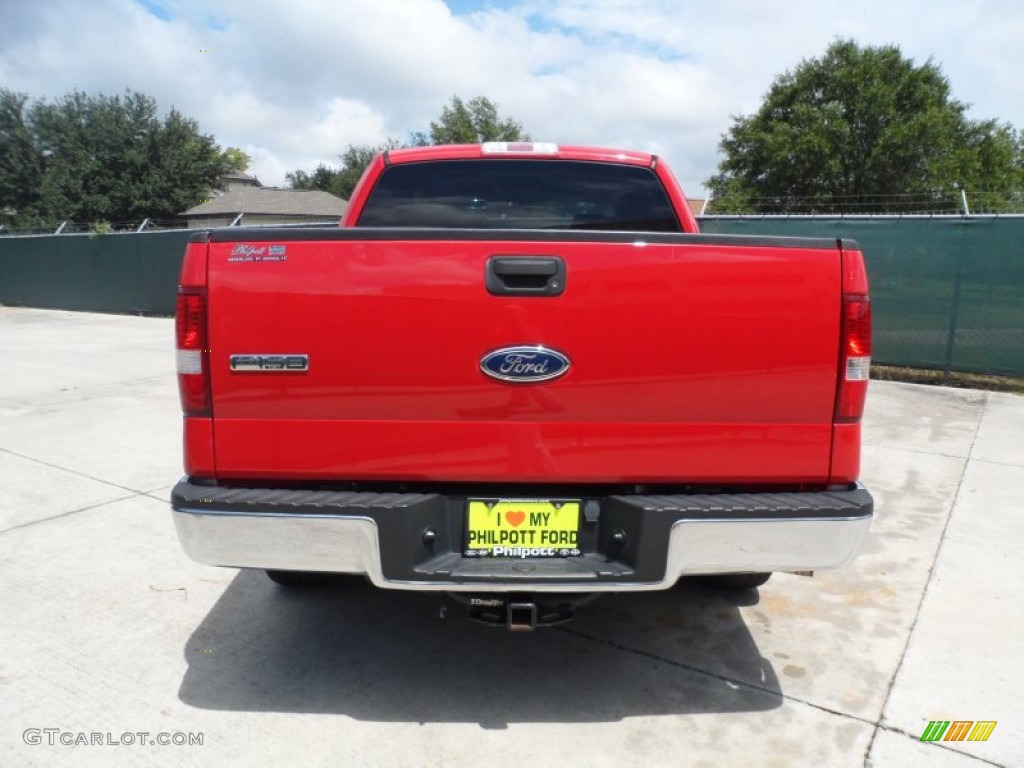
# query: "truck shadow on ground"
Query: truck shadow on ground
376,655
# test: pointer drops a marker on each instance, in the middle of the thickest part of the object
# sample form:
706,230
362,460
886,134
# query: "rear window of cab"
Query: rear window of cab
520,194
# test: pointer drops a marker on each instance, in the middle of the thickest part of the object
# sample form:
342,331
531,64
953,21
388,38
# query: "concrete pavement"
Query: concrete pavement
107,627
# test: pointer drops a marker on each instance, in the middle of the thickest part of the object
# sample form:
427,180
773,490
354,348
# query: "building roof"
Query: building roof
239,176
270,201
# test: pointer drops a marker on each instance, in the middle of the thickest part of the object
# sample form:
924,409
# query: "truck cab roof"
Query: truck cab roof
531,149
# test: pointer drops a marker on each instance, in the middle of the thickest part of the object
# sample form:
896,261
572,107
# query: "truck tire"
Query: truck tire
734,581
298,578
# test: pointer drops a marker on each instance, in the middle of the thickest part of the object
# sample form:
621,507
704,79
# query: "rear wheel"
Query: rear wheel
298,578
734,581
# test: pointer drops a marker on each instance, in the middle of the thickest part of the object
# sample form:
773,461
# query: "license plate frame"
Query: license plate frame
522,528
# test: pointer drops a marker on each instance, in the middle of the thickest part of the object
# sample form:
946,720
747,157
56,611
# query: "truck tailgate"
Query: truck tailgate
693,358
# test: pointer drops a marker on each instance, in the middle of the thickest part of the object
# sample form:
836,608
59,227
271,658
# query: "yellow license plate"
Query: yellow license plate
512,528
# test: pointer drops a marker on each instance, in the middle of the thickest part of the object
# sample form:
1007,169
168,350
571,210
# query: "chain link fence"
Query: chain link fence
70,227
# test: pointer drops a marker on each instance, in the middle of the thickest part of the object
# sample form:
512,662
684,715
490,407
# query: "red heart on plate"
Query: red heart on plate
515,519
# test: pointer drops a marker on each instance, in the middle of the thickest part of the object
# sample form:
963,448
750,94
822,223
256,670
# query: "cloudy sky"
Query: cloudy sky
293,83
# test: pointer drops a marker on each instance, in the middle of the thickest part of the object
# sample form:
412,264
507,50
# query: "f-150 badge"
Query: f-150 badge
524,365
283,363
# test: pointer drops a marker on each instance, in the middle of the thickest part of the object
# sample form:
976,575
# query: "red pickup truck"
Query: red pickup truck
518,375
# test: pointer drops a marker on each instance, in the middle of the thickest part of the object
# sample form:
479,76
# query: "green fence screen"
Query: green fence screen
125,273
948,293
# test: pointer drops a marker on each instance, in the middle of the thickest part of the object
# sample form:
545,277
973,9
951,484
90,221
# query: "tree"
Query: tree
324,178
237,161
110,158
460,122
863,128
102,159
20,162
471,122
341,181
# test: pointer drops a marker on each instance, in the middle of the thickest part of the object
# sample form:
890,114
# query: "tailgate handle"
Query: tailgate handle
509,275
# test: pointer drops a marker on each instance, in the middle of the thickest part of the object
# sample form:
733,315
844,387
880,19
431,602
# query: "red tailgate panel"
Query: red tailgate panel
690,363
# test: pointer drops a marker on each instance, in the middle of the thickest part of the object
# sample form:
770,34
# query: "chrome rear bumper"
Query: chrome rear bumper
378,535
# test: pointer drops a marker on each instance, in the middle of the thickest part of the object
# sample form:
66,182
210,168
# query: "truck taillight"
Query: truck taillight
192,352
855,360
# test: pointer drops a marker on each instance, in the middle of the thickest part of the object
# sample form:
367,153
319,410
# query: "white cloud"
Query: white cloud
292,85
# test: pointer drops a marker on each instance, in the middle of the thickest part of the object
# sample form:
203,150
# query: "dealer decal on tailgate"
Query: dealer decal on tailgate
522,528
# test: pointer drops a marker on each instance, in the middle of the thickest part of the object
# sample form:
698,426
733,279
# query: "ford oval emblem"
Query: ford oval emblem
524,364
